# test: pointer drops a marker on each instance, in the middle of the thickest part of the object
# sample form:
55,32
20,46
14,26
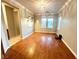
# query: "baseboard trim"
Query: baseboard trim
6,49
27,35
44,32
69,48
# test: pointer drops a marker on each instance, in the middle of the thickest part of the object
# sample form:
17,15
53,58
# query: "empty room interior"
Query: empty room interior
38,29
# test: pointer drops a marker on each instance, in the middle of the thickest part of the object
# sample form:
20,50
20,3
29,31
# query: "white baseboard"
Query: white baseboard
6,49
27,35
44,32
69,48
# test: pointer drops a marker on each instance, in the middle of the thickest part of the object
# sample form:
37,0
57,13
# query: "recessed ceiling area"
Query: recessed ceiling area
42,6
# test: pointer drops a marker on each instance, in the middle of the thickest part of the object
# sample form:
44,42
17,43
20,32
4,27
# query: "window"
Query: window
50,23
43,22
47,23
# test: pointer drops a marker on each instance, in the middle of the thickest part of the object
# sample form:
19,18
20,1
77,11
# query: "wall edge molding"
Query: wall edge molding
64,6
69,48
27,35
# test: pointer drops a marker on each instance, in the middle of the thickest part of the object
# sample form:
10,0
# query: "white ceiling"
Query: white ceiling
42,6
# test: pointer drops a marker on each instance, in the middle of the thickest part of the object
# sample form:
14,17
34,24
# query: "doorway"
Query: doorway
12,23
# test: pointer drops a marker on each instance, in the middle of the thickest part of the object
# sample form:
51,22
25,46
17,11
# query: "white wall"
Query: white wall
27,27
69,25
27,23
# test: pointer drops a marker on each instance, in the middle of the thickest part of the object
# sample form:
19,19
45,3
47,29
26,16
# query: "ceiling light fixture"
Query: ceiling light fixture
42,5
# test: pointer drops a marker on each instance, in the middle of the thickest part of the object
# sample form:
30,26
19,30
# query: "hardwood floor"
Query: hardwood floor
39,46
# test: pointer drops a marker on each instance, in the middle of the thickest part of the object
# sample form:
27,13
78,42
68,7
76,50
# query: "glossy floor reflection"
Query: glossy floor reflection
39,46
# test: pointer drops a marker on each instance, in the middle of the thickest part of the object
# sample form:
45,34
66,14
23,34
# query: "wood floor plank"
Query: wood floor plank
39,46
